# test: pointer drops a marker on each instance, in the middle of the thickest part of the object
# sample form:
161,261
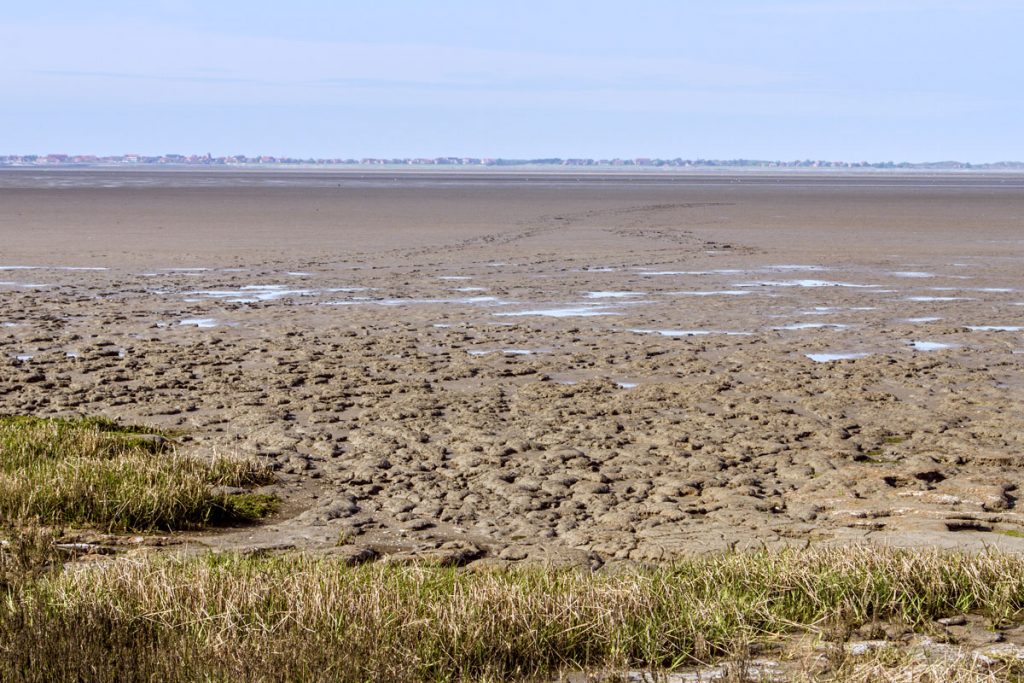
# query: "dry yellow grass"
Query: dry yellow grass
294,617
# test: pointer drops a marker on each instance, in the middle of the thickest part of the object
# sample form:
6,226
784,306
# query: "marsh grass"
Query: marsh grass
294,617
897,663
27,552
94,472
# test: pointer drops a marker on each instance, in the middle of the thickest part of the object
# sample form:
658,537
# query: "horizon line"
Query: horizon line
171,158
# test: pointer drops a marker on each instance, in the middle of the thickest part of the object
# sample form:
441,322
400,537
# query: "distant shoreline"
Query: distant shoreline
580,165
520,170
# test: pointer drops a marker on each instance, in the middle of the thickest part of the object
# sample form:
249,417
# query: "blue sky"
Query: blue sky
855,80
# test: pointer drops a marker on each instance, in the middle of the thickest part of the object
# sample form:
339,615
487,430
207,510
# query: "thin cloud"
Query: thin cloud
116,75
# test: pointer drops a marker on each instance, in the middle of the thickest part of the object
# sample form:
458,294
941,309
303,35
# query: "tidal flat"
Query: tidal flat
500,370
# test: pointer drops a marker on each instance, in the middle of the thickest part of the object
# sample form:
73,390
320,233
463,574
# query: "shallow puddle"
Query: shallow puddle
691,333
720,292
200,322
255,293
491,300
719,271
996,328
929,346
812,284
834,356
64,268
507,352
813,326
560,312
612,295
794,267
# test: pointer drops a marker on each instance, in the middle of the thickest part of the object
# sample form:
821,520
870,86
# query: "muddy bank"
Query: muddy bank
591,373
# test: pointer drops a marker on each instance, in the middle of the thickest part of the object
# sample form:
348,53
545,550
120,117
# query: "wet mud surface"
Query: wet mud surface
575,371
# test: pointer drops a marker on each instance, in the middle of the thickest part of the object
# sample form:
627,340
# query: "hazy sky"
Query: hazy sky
831,79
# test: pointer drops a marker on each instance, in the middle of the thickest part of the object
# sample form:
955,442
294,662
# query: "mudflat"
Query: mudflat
548,366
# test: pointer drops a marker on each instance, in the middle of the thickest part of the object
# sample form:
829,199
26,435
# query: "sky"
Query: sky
874,80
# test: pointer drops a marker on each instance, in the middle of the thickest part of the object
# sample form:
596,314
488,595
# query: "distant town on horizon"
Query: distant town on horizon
90,160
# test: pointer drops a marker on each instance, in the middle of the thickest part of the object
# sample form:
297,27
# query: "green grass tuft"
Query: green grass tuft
249,506
1015,533
95,472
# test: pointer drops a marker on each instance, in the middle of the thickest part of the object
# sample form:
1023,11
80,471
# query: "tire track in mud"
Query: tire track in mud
638,217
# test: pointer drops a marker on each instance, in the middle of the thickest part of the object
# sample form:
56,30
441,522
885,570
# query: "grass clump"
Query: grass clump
295,617
27,552
1014,533
95,472
251,506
